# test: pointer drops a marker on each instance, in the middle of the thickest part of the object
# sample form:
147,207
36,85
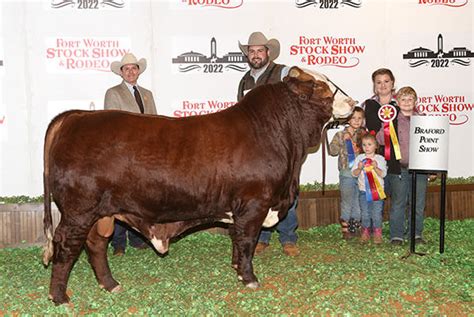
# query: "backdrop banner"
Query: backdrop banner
55,55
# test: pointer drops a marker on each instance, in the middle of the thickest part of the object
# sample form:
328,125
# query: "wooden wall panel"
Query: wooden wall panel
22,225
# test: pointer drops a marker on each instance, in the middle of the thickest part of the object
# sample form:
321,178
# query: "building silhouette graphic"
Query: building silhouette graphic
456,54
236,60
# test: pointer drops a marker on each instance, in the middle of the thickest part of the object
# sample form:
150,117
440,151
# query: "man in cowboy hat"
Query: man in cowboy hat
128,96
260,54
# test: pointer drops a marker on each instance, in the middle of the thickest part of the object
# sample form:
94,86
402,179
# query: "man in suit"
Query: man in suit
128,96
261,53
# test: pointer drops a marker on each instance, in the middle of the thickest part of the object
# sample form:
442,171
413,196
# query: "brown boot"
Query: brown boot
365,235
291,249
261,246
346,235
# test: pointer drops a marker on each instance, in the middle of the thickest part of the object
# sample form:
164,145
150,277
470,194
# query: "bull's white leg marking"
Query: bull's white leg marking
159,246
230,220
117,289
253,285
271,219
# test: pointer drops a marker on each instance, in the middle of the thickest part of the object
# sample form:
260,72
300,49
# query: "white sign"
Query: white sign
429,146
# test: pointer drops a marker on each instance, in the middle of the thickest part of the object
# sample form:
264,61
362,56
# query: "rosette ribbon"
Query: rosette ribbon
373,188
387,114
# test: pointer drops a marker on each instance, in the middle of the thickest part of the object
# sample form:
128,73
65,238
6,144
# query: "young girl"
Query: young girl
370,169
346,145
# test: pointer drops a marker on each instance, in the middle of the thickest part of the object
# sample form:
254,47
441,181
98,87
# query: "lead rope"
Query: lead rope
324,143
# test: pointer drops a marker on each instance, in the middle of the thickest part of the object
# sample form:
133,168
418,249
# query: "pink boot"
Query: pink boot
365,236
378,235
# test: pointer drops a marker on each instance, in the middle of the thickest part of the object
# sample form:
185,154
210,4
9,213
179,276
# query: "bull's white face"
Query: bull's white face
343,104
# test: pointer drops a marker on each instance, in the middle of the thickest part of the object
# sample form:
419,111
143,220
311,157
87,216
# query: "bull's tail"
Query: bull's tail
51,135
47,221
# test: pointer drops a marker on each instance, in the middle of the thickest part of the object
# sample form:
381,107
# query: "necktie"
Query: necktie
138,99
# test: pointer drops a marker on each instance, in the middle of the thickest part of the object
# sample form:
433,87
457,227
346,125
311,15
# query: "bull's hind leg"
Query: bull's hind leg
68,242
96,246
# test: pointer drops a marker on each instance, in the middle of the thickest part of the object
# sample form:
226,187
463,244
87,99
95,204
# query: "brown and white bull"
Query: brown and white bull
164,175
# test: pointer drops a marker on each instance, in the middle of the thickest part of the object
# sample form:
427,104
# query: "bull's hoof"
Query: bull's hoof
117,289
235,266
112,287
240,278
59,299
253,285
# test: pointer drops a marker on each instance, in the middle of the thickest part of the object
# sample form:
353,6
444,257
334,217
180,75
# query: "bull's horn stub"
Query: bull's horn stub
294,72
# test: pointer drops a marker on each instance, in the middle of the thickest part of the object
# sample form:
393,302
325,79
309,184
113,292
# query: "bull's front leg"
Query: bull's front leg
96,246
246,230
68,242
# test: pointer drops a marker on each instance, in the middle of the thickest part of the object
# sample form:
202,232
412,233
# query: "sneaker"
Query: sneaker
291,249
365,236
419,240
261,246
396,242
119,252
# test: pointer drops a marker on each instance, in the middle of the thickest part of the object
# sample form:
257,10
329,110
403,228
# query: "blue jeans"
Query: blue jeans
349,196
371,211
119,239
401,201
286,228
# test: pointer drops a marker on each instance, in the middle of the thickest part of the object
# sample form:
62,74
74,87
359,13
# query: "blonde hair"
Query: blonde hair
407,91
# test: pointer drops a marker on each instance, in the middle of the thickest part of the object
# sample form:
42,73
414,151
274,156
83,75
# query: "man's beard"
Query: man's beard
258,63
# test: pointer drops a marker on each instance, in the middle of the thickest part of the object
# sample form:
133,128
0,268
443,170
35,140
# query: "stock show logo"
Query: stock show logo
188,108
448,3
328,51
423,56
456,107
87,4
225,4
194,61
328,4
72,54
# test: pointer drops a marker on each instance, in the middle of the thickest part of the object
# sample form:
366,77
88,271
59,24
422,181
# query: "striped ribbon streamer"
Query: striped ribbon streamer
373,188
350,153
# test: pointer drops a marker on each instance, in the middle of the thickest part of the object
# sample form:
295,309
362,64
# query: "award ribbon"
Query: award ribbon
350,153
373,188
387,114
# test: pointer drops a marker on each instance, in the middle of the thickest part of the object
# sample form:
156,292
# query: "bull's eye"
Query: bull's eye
303,97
